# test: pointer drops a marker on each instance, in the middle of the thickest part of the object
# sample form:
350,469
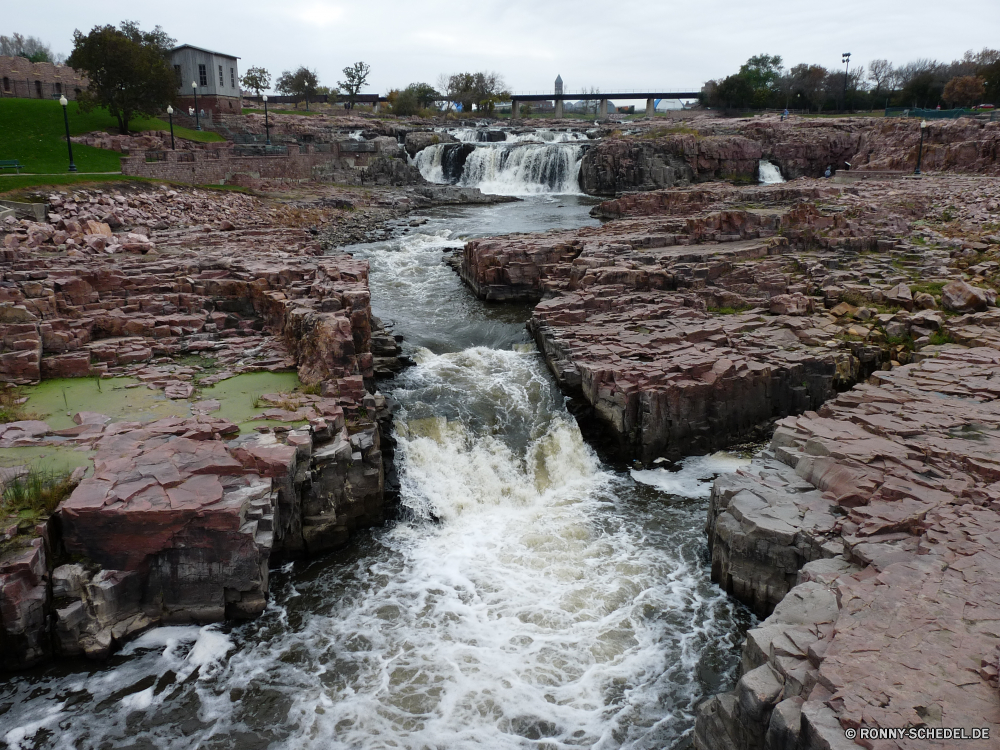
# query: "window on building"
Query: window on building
177,72
6,83
38,89
59,88
202,75
232,77
222,81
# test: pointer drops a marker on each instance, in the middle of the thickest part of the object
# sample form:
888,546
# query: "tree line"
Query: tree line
480,90
29,47
763,83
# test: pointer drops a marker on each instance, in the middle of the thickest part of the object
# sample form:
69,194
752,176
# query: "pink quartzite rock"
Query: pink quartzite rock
173,509
960,297
883,507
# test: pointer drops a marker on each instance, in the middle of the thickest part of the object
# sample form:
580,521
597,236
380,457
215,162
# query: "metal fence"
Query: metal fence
25,88
942,114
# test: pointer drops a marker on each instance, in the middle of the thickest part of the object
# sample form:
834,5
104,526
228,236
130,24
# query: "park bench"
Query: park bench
11,164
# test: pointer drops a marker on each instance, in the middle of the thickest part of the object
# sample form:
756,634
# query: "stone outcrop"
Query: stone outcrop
705,312
650,163
867,531
652,157
182,517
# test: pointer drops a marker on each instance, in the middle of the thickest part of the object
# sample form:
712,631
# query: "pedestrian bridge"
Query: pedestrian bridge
603,98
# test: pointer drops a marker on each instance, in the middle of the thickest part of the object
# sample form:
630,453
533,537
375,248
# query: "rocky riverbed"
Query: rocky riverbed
179,290
852,326
863,532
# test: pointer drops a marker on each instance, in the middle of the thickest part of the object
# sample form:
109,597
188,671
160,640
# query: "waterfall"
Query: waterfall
769,173
522,164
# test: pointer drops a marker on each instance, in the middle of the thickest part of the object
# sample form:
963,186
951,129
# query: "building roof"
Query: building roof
202,49
558,78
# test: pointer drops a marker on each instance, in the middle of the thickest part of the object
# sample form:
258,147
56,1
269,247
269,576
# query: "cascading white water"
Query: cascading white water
768,173
540,161
532,596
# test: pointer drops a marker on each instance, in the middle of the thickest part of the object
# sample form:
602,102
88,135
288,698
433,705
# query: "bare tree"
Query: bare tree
33,48
881,73
355,76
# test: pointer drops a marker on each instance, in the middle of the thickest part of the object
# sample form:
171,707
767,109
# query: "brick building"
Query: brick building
217,76
19,77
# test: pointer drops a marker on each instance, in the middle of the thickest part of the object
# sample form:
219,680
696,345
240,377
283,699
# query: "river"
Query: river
529,595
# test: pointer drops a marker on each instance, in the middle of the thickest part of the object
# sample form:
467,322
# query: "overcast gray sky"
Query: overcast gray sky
611,44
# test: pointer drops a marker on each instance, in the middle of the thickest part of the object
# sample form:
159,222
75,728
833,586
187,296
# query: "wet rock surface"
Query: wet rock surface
704,312
864,319
868,531
180,517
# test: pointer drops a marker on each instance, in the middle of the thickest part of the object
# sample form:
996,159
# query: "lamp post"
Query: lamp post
170,112
197,118
69,144
846,59
267,126
920,151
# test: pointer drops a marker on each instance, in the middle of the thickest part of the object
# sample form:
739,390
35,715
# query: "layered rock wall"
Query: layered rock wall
710,149
707,311
182,517
867,530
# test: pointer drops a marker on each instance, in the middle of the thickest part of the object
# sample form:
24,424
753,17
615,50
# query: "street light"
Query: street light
170,111
69,144
846,59
267,127
197,119
920,152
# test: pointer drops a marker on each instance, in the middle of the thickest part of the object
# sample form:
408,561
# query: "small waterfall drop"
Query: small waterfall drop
769,173
505,163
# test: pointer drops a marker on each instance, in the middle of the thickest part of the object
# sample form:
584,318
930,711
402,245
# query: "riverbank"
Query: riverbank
698,316
179,518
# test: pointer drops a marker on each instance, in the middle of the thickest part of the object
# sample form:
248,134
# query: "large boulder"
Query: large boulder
416,142
960,297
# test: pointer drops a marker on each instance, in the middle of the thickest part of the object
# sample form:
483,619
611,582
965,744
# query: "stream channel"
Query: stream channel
529,595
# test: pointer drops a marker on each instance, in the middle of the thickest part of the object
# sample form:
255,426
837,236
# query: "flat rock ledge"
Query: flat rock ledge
699,315
869,532
181,518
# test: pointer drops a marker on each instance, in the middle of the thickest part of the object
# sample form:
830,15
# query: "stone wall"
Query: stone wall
19,77
376,161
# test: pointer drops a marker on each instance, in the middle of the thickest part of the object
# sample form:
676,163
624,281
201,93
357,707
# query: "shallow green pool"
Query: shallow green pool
127,399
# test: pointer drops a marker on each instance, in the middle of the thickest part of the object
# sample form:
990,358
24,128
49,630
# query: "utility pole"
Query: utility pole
846,59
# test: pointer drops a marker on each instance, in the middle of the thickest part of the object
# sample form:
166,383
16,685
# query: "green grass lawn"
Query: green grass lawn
32,131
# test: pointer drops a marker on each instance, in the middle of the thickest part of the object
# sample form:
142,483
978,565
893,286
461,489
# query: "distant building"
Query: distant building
217,76
559,84
27,80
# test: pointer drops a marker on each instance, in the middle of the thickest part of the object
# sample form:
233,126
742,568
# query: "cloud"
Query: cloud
318,13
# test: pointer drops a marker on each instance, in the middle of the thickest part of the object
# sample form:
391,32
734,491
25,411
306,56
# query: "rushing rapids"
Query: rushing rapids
506,163
529,594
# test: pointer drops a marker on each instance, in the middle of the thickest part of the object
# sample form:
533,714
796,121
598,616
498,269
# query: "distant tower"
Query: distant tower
559,88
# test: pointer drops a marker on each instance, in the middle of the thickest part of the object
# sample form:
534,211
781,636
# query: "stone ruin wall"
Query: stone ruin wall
349,162
19,77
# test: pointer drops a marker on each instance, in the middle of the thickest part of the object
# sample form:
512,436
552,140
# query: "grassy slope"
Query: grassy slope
32,131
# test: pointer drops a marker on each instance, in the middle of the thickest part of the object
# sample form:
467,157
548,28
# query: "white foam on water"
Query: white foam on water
211,646
768,173
695,475
139,701
528,598
23,737
525,164
527,612
163,637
